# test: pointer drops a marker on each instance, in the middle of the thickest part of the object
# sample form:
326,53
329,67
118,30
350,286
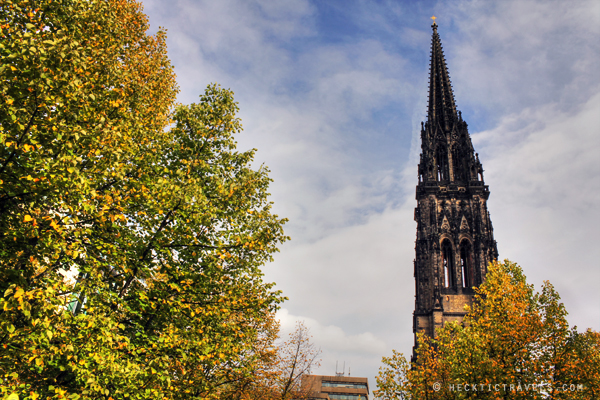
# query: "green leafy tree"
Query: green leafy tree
511,336
131,233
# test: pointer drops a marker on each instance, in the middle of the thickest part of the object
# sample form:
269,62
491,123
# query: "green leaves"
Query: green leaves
130,253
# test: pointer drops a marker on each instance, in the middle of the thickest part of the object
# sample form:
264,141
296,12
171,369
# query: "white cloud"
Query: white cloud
331,337
511,55
356,352
358,283
337,122
543,169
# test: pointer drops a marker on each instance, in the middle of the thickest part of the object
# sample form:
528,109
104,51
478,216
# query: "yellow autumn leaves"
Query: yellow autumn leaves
511,336
131,229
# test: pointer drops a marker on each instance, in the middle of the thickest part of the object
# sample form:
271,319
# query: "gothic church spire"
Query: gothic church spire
442,107
455,240
447,151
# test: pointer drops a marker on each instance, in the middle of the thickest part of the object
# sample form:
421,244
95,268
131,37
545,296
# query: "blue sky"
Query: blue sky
332,94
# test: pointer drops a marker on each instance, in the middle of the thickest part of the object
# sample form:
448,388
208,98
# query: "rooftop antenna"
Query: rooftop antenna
348,371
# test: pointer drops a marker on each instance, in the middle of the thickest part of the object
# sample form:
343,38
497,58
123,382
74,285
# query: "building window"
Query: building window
347,396
457,166
349,385
466,264
441,159
448,264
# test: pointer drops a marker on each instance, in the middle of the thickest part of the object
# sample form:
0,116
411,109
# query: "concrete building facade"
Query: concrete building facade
335,387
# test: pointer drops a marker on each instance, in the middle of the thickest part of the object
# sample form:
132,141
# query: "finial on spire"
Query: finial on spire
433,18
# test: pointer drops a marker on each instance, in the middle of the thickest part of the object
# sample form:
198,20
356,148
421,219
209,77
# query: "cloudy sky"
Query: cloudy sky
332,94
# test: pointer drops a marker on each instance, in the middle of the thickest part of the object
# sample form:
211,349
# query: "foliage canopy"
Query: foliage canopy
511,336
131,231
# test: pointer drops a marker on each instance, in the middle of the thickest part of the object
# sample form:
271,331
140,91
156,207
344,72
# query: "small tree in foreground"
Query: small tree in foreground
279,374
513,344
296,357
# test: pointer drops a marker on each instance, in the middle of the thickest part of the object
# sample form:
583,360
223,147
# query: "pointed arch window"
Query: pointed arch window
466,264
448,264
457,166
441,159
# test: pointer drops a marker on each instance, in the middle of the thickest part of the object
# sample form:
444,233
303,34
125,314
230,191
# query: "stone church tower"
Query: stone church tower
455,240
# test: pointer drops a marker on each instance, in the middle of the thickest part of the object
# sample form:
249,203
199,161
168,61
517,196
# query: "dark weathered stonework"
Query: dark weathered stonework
455,240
